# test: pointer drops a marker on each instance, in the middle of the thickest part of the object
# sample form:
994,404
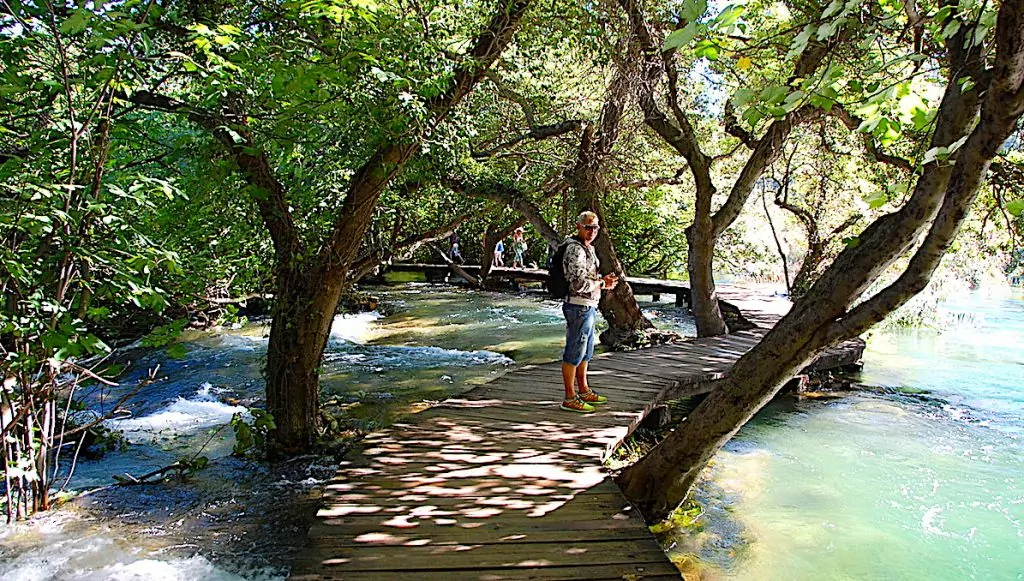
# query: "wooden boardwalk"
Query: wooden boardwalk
640,285
500,484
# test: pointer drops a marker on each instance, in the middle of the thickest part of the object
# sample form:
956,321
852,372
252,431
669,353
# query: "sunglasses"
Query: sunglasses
590,227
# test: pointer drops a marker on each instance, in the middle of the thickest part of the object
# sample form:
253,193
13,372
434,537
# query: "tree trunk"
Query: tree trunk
679,132
618,307
660,481
703,296
808,271
304,308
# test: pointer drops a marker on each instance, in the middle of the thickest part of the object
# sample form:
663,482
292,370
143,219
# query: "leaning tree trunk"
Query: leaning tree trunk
942,197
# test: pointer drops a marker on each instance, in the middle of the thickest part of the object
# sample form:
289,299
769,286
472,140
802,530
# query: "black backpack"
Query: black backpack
558,286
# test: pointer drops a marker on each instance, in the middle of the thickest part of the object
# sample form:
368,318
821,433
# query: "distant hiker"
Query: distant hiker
499,249
518,248
455,255
453,251
584,284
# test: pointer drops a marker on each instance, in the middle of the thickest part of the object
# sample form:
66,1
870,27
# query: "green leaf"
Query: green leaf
833,9
93,344
801,40
951,28
794,97
743,96
753,116
680,38
774,95
706,49
876,200
729,16
76,23
1015,207
177,351
887,132
693,9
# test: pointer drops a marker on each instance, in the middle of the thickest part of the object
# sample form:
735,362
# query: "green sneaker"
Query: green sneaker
575,405
592,398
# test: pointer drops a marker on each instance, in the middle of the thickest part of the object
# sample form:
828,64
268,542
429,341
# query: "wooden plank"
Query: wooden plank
600,377
625,384
477,556
645,571
364,531
539,416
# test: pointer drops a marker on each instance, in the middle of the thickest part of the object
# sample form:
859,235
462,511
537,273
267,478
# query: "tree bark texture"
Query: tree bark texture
302,314
942,195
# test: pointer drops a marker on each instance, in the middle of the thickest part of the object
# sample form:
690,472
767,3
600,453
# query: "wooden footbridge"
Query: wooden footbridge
640,285
500,484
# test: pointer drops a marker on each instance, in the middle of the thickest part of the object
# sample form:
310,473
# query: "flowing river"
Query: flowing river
892,485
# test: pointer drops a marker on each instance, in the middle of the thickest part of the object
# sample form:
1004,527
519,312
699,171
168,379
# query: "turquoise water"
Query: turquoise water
889,485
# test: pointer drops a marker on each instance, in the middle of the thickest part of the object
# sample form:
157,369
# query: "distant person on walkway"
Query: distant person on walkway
453,251
518,249
455,255
580,309
499,249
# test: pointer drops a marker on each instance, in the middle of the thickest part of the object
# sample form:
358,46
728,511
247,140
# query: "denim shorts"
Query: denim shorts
579,333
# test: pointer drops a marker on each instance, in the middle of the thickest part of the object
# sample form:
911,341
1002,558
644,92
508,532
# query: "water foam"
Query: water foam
355,328
183,416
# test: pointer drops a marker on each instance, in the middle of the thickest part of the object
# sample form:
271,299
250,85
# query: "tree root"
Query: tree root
639,339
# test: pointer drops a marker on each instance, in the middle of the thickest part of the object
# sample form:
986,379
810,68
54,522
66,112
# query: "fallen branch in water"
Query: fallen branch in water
129,480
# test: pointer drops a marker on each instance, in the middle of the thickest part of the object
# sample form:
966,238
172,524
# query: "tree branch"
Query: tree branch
369,180
514,199
272,199
852,123
536,133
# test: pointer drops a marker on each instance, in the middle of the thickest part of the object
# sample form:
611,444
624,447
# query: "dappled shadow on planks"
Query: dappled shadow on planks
466,497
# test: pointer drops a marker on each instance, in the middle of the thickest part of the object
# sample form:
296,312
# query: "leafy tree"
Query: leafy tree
73,254
977,49
276,86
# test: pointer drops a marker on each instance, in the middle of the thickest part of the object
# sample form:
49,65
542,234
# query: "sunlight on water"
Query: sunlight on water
356,328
